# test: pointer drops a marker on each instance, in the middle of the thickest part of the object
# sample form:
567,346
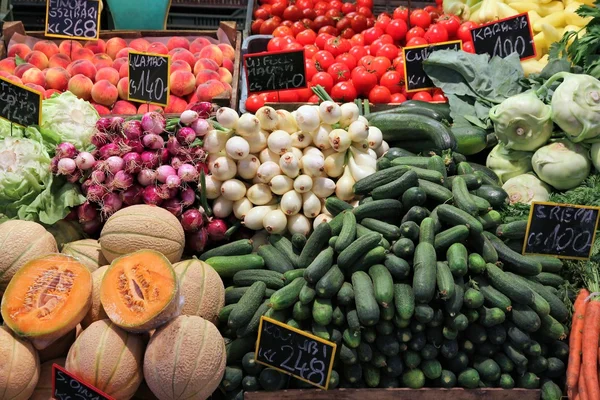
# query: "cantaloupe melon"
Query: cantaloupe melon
142,227
59,348
140,291
43,390
87,252
47,298
20,242
66,231
108,358
19,366
202,289
185,359
96,311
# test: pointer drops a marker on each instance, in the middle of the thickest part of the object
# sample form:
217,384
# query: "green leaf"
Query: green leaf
19,60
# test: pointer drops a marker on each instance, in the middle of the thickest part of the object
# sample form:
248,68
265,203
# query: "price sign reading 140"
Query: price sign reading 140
149,78
73,19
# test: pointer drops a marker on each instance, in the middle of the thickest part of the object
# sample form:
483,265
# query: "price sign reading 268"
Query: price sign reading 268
73,19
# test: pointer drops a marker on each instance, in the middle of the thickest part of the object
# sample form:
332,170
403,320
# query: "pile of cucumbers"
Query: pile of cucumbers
419,286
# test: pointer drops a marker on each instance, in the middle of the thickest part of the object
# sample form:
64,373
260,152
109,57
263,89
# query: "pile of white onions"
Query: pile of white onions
274,170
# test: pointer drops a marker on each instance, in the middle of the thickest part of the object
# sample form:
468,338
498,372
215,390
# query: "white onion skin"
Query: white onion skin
320,219
298,223
254,218
275,222
259,194
233,189
281,184
291,202
242,207
222,207
248,167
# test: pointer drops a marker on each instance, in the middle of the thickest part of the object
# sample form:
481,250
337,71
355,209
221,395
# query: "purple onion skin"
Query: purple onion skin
86,212
135,145
132,163
103,124
174,206
216,229
66,150
188,196
192,220
204,108
109,150
186,136
132,195
111,203
133,129
153,122
150,159
196,241
92,227
152,196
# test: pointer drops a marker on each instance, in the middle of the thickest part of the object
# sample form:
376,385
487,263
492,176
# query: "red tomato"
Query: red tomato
366,62
358,40
366,12
275,44
268,26
398,65
322,21
282,31
309,13
382,22
254,102
416,41
311,68
372,34
390,51
335,14
323,79
464,32
375,46
415,31
304,94
344,91
359,23
293,46
380,94
293,13
288,96
304,4
436,33
380,65
363,80
337,46
336,4
468,47
261,13
451,23
321,39
313,99
439,98
329,29
324,59
397,98
348,59
401,13
347,33
339,72
348,8
420,18
397,29
279,7
365,3
422,96
297,27
358,52
392,80
310,51
430,8
306,37
256,24
343,23
321,6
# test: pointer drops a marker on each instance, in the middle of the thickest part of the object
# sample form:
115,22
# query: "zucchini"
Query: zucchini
315,243
228,266
366,185
470,140
441,108
366,304
273,279
424,278
237,248
513,260
395,152
274,259
410,110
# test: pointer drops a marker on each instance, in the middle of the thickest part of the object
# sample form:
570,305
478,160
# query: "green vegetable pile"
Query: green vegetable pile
419,286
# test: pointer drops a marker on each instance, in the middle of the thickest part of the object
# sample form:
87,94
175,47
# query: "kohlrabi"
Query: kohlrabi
525,189
522,122
595,155
562,164
508,163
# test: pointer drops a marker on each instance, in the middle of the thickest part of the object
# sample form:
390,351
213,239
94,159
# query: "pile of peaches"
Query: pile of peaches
98,71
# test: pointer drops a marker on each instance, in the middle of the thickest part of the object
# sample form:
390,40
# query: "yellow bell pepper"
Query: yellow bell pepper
544,59
532,67
551,34
488,11
556,19
525,6
551,8
533,18
571,17
541,45
506,11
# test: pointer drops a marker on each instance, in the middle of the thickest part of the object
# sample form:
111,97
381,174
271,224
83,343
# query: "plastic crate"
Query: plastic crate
187,20
252,44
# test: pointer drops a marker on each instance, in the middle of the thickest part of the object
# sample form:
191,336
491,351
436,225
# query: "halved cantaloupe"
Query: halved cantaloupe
20,242
202,289
47,298
185,359
19,366
87,252
140,291
96,311
43,389
108,358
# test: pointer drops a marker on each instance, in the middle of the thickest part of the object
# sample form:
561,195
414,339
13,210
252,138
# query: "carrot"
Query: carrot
591,333
574,365
582,394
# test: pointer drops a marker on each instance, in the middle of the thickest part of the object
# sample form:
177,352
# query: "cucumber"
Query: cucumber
432,369
345,296
493,297
494,194
548,279
348,355
436,220
435,192
366,185
237,248
404,300
506,365
490,220
447,379
415,196
319,266
278,315
410,110
234,294
514,261
289,276
529,380
250,383
514,289
384,327
251,367
411,161
339,318
489,317
274,259
353,373
497,334
445,281
271,380
228,266
301,312
549,263
315,243
366,304
458,363
383,163
330,284
322,311
285,247
455,216
427,231
364,352
403,248
413,379
224,313
371,376
445,239
471,180
428,175
458,259
462,197
436,163
307,294
470,140
383,285
298,241
424,278
252,327
537,364
423,313
397,266
488,370
356,249
556,368
232,378
483,205
371,257
473,298
557,308
389,231
387,345
335,224
410,230
512,230
348,232
469,378
405,128
288,295
551,391
476,264
273,279
441,108
506,382
335,206
395,152
488,173
525,318
483,246
540,305
378,209
551,328
455,302
464,168
244,310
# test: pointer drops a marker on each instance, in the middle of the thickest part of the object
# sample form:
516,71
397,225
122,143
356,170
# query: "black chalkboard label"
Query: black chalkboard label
20,104
506,36
73,19
294,352
279,70
149,78
561,230
416,78
66,386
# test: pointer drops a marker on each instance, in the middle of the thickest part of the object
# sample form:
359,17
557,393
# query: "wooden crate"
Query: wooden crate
397,394
230,29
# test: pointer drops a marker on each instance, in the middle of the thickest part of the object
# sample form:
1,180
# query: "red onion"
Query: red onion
92,227
153,141
85,186
54,165
216,229
122,180
103,124
74,177
176,162
173,192
203,108
71,216
132,163
135,145
202,167
196,241
201,127
66,150
85,160
111,203
146,177
186,136
152,196
164,156
174,206
114,164
187,173
108,150
99,139
123,146
66,166
163,172
98,176
109,180
95,193
116,124
173,146
133,129
188,196
173,181
132,195
86,212
150,159
153,122
192,220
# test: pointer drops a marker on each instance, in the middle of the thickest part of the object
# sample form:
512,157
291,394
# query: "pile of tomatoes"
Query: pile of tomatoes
365,63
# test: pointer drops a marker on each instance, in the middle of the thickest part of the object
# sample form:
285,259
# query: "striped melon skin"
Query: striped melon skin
96,311
202,289
58,349
43,390
142,227
19,366
108,358
87,252
20,242
185,359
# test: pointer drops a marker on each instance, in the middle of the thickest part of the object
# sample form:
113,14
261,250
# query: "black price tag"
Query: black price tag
149,78
20,104
65,386
561,230
294,352
416,78
73,19
279,70
506,36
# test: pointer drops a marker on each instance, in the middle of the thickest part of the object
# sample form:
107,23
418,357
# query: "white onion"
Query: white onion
373,153
349,114
248,124
291,202
303,183
267,155
330,112
381,150
300,140
214,141
362,118
298,223
248,167
254,218
281,184
298,154
359,171
189,116
233,189
289,165
313,164
257,141
241,207
223,168
361,146
320,137
268,118
307,118
279,142
213,187
259,194
364,158
227,117
311,205
237,148
213,157
267,171
327,152
321,219
287,122
334,165
222,207
313,150
359,131
275,222
344,187
323,187
375,137
339,139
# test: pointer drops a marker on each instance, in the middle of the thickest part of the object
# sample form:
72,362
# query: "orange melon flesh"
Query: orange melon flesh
47,298
140,291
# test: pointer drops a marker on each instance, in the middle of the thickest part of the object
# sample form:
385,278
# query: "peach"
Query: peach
124,71
15,79
82,54
102,60
213,52
209,90
183,55
206,75
50,92
227,63
5,74
124,107
225,75
34,75
81,86
179,65
144,108
114,45
59,60
98,46
48,47
178,42
19,49
139,44
20,69
69,46
36,88
108,73
84,67
158,48
177,105
8,65
227,50
124,52
105,93
205,63
192,98
182,83
123,88
57,78
101,109
37,59
198,44
228,88
119,61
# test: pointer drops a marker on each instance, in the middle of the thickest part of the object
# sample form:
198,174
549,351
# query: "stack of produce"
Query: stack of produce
95,320
415,285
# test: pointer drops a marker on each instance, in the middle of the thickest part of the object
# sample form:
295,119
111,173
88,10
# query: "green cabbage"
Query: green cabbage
66,118
508,163
525,189
562,164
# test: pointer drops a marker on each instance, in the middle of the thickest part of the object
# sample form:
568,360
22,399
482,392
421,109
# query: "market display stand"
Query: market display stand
396,394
